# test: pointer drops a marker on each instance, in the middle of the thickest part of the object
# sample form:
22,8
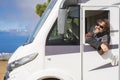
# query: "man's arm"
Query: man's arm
94,43
105,43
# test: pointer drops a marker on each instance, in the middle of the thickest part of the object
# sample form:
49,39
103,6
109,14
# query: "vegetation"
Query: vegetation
40,8
4,60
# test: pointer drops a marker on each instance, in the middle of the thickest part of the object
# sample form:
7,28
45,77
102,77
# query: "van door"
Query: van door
94,66
63,45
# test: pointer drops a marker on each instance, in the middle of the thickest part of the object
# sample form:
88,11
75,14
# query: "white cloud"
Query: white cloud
21,20
15,28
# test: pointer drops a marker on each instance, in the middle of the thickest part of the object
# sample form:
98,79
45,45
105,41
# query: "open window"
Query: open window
91,16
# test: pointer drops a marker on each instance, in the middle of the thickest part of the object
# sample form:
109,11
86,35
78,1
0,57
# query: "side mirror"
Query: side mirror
62,16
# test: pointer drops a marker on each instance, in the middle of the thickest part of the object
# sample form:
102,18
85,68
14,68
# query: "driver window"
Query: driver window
71,33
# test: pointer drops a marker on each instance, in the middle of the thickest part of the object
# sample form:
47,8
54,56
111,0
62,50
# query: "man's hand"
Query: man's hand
88,35
104,47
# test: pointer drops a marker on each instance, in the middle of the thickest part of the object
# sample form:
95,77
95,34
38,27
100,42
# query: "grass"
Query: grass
3,64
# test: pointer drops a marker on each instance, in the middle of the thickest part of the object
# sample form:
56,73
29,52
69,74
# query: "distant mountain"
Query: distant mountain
5,56
10,42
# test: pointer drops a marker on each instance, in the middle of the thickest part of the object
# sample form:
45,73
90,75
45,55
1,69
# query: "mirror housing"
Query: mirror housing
62,16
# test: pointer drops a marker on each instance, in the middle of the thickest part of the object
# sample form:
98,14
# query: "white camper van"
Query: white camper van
57,50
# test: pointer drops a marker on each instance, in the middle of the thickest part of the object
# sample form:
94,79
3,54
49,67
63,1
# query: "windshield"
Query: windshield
41,21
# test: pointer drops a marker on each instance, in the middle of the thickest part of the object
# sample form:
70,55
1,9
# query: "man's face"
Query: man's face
100,27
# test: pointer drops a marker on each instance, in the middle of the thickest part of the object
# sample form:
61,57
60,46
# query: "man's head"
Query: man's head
102,25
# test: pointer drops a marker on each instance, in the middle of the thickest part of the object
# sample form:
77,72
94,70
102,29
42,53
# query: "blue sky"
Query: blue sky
18,16
17,21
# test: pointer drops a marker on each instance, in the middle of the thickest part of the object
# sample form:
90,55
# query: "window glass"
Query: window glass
71,33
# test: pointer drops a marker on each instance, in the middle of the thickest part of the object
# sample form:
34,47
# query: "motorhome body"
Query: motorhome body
57,48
